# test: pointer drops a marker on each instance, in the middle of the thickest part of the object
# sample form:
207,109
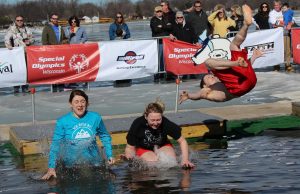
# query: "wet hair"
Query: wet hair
202,81
79,93
76,20
155,107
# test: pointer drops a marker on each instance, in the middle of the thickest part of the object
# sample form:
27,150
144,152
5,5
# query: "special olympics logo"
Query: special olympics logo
130,57
78,62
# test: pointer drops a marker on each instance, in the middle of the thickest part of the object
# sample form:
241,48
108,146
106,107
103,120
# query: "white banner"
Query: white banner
270,42
127,59
12,67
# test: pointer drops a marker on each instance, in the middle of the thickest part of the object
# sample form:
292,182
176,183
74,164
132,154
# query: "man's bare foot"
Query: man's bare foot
247,11
242,63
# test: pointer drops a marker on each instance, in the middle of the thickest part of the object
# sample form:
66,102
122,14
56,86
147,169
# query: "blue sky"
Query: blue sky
81,1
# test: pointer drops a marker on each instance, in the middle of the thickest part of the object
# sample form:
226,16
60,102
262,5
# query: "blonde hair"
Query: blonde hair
219,6
237,9
155,107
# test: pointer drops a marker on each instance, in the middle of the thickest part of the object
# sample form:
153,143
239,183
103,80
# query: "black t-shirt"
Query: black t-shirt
141,135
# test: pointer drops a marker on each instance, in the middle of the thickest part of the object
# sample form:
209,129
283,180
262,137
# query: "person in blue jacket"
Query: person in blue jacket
119,24
74,138
75,33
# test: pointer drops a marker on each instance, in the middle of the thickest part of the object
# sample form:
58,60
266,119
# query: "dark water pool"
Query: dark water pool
263,164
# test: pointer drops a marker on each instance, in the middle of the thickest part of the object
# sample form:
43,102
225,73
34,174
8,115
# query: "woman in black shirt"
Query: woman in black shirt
150,131
262,17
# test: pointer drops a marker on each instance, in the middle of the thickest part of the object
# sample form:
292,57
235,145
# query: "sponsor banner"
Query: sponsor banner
177,57
127,59
270,42
296,45
12,67
63,63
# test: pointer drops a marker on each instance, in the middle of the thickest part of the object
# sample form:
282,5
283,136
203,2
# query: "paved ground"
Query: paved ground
272,96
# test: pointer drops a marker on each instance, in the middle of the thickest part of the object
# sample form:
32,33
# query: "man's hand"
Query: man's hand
172,37
111,161
51,172
183,97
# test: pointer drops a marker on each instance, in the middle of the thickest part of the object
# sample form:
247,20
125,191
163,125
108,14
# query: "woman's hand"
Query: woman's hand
51,172
187,164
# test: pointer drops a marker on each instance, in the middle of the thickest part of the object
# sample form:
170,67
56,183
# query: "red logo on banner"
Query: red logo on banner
62,63
296,45
177,56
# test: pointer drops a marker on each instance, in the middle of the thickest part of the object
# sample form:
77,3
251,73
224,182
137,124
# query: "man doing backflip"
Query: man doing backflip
229,79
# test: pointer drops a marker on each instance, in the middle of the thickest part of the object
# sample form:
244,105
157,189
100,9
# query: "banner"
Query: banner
127,59
270,42
177,57
12,67
296,45
63,63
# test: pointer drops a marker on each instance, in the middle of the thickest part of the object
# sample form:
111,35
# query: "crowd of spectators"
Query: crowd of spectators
186,25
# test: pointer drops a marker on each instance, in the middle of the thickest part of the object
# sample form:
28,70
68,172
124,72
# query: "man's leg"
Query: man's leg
221,64
241,35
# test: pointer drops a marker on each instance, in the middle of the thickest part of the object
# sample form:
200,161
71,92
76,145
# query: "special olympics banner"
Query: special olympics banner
12,67
177,56
270,42
127,59
296,45
63,63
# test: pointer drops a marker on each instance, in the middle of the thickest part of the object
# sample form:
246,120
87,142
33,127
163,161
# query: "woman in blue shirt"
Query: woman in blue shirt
74,138
74,32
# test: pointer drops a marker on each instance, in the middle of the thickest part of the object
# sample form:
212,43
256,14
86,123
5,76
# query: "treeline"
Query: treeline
40,10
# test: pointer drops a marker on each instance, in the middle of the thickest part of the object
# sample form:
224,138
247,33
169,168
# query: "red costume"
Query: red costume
238,80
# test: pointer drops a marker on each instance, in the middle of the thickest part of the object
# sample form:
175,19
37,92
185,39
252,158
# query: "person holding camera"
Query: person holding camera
18,35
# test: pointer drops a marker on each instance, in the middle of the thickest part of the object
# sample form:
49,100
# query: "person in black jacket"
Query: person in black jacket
183,31
198,19
262,17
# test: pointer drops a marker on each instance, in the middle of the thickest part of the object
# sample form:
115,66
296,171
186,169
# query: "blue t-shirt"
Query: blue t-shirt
57,32
288,16
74,140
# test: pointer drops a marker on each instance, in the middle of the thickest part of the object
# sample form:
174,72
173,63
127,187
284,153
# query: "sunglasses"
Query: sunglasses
74,21
158,11
265,6
119,17
19,20
179,17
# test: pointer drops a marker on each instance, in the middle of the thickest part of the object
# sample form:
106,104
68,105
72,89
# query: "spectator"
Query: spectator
160,27
220,21
288,15
168,13
276,20
198,19
237,16
53,34
76,35
18,35
262,17
183,31
119,24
